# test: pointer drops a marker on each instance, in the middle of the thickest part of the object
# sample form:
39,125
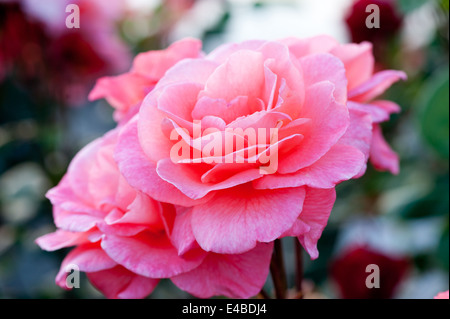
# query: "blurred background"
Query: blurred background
46,72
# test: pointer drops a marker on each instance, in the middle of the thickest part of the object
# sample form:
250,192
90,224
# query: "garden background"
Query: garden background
47,71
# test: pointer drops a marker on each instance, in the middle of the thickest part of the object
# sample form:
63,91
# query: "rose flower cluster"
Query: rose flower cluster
137,211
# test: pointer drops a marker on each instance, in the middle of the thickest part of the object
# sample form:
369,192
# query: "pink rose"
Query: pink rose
364,86
200,116
126,241
215,157
442,295
125,92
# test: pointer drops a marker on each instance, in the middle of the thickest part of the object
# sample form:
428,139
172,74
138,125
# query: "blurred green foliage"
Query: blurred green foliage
434,116
407,6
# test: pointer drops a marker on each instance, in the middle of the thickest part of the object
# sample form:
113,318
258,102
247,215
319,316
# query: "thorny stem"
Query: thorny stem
277,271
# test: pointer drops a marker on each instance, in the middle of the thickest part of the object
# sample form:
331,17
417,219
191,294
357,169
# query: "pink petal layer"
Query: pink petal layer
329,121
178,100
240,106
358,60
150,254
74,221
279,62
236,219
120,283
151,138
359,134
222,53
382,156
230,80
154,64
326,67
188,180
376,85
189,70
88,258
180,231
233,276
313,219
122,91
140,171
342,162
61,239
318,44
385,109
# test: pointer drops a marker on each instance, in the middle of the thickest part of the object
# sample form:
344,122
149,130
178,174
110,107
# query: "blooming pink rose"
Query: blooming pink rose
126,91
364,86
442,295
299,101
126,241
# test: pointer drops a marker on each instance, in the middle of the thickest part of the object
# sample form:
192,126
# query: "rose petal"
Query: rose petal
140,172
187,178
120,283
342,162
233,276
222,53
359,134
178,100
150,254
308,46
61,239
122,92
154,64
313,219
329,121
326,67
358,60
230,80
236,219
188,71
376,85
382,156
88,258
